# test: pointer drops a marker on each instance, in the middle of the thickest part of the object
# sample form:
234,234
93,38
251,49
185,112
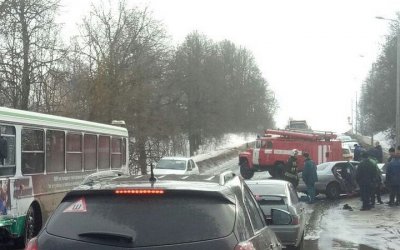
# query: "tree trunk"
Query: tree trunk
26,85
142,155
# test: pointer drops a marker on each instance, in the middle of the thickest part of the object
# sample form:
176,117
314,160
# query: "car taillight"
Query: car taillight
295,220
32,244
246,245
139,191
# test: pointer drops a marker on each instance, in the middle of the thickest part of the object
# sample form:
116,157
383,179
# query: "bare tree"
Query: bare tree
30,51
126,51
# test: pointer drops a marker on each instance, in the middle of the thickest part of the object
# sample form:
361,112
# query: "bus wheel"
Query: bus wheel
33,221
245,171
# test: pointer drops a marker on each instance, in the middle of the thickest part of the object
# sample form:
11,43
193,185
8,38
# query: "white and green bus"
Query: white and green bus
43,156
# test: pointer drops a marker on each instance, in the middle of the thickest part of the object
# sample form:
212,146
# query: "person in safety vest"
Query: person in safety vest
291,168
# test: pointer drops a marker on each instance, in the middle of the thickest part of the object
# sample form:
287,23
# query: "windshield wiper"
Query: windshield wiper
108,236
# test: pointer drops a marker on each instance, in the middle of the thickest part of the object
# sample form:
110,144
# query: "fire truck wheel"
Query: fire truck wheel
245,171
333,191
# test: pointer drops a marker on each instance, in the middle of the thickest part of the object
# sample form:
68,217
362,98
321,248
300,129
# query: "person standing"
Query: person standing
365,174
376,183
310,177
291,168
357,152
393,179
377,152
392,152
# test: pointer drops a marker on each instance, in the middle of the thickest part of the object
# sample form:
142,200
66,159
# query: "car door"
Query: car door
263,237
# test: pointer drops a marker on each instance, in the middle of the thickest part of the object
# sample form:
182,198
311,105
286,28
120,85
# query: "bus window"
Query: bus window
55,151
7,150
116,153
124,151
32,151
90,152
74,152
104,152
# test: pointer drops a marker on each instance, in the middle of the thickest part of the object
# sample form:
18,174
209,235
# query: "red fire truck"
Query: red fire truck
275,147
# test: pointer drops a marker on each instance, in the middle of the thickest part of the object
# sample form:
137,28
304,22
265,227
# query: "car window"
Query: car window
323,166
192,164
254,211
147,219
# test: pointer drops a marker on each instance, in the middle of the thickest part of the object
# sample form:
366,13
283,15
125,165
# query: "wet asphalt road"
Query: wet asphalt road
329,226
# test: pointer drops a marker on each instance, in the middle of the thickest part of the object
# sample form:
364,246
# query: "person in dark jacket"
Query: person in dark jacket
393,180
377,152
365,174
392,152
309,176
291,169
357,152
376,183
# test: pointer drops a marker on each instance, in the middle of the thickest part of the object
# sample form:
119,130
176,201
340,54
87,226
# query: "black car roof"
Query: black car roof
207,184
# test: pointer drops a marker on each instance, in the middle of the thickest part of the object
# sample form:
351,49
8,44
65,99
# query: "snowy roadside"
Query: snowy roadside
377,228
223,153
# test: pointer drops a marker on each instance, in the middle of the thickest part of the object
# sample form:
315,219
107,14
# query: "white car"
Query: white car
347,153
176,165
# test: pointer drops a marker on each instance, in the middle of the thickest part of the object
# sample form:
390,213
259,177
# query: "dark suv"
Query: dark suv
172,212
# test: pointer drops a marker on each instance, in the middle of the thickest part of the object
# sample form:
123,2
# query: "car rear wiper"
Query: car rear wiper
108,236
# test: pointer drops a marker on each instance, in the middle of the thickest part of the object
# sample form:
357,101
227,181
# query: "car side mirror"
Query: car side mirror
280,217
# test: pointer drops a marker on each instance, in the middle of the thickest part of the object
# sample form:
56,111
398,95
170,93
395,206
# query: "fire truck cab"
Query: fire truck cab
275,147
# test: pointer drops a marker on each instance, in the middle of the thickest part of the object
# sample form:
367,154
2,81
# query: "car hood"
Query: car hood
168,171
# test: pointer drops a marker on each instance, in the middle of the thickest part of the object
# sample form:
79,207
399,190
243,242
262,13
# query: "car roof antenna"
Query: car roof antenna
152,178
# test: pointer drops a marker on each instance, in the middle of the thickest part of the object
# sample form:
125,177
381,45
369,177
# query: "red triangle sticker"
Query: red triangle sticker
77,207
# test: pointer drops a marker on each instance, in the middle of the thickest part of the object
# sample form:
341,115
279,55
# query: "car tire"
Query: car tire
333,191
245,171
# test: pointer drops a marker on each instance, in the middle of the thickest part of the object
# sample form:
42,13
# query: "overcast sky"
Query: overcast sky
315,54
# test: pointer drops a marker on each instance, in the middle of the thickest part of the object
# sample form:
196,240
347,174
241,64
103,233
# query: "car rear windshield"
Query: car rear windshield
142,220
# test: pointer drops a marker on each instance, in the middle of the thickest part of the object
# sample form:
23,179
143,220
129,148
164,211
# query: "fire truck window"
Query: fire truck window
269,144
263,144
258,144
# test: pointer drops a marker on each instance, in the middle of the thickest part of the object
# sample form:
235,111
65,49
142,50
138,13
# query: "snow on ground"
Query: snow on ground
377,228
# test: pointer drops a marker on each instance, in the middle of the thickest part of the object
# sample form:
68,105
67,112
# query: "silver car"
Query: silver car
278,194
332,179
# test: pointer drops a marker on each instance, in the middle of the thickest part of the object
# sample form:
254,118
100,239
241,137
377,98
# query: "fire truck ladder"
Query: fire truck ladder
310,136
